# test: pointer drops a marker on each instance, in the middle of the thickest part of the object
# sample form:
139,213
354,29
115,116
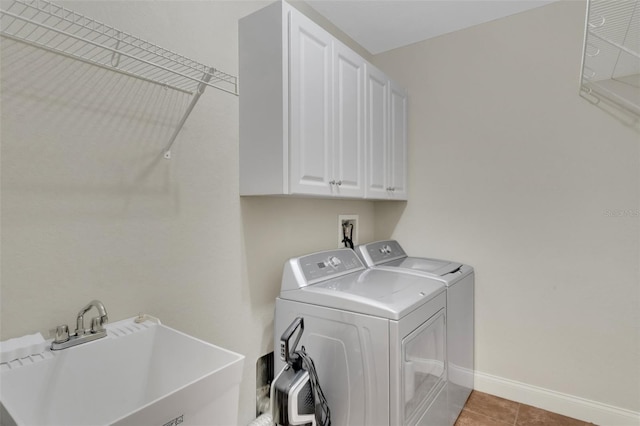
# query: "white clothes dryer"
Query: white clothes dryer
377,338
460,281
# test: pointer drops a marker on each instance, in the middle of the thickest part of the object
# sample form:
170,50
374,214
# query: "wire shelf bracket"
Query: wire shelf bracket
201,87
45,25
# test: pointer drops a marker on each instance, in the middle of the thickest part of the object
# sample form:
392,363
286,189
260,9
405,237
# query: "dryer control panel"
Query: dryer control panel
329,264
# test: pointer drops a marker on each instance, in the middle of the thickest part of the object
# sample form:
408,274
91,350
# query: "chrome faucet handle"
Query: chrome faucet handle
97,324
62,334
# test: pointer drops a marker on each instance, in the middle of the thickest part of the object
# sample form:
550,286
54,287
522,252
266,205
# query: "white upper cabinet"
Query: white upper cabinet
303,110
348,122
377,133
310,113
397,142
386,137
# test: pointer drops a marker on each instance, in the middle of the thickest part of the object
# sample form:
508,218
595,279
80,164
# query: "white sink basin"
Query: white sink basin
140,374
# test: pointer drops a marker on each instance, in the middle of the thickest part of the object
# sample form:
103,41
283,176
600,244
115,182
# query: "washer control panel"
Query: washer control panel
329,264
384,251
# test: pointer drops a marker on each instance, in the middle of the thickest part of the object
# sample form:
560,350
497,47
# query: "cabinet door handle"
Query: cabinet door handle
332,182
339,183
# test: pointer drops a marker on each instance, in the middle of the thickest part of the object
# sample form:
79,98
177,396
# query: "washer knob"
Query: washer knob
385,249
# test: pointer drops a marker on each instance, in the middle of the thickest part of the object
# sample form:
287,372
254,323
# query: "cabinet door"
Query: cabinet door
348,107
310,106
376,133
397,142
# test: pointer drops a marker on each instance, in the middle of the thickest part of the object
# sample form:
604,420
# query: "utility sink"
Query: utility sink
141,373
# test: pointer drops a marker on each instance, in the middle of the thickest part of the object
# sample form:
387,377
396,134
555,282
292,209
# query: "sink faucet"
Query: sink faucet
97,323
62,338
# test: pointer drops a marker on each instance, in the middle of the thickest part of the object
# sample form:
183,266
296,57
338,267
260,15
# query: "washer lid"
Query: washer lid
376,292
432,266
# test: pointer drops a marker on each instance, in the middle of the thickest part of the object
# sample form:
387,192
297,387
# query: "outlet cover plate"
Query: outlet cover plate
349,218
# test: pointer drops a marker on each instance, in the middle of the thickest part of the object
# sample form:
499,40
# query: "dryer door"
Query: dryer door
423,367
351,356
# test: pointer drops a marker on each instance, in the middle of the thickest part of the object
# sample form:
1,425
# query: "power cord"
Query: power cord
347,234
323,413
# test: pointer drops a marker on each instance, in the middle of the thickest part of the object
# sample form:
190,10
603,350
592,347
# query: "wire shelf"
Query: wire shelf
45,25
616,22
611,55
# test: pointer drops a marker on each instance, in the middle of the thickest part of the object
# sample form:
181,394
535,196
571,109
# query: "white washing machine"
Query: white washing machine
460,281
377,338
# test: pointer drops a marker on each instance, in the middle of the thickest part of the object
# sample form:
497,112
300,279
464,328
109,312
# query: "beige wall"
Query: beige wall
512,172
90,209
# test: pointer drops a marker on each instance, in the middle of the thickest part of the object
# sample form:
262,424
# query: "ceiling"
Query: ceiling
381,25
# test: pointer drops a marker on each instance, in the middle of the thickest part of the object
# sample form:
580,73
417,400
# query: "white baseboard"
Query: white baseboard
567,405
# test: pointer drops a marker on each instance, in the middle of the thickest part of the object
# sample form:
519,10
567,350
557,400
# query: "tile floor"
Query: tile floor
483,409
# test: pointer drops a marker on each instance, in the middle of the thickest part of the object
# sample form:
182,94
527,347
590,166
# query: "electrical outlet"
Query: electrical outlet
347,226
